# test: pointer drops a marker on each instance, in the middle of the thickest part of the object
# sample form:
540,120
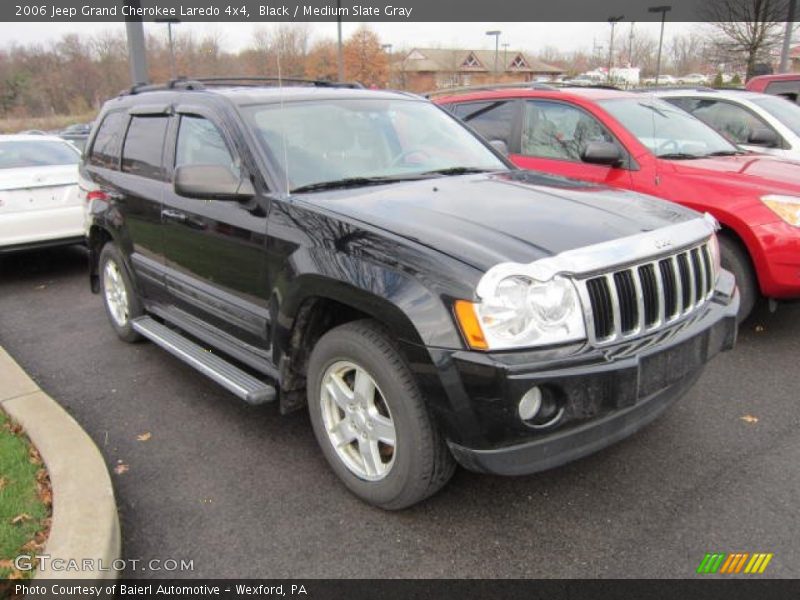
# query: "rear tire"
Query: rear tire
119,297
736,260
360,389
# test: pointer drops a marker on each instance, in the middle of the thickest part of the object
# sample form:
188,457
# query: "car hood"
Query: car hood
517,216
33,177
757,171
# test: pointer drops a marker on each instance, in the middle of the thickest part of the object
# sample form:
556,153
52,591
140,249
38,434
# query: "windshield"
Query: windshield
667,131
786,111
18,154
362,141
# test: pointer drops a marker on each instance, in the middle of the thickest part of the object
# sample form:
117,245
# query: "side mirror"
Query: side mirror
762,136
601,153
500,146
211,182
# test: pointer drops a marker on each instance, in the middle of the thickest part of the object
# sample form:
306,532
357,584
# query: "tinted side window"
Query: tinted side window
201,143
560,131
788,89
107,143
734,122
493,120
144,145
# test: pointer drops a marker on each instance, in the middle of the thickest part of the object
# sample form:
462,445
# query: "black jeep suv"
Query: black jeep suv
366,254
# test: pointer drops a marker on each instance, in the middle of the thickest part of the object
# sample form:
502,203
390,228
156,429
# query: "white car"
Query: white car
39,200
757,122
692,79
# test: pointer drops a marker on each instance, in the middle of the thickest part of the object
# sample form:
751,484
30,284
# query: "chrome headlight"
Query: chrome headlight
519,311
786,207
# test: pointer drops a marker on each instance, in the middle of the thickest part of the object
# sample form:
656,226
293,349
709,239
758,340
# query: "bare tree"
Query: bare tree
747,29
687,53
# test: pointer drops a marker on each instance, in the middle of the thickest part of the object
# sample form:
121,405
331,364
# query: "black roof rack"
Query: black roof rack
201,83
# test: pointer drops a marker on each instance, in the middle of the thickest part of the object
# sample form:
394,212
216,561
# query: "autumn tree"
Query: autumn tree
364,59
322,61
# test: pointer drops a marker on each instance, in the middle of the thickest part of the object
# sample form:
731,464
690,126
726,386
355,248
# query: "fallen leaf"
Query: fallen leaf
144,436
34,456
32,546
46,495
749,419
6,564
21,518
16,575
3,482
121,468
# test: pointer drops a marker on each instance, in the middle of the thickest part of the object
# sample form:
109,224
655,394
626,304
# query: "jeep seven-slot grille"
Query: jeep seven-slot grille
643,297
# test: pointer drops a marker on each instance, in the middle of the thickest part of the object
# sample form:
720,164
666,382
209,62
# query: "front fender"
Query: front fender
413,305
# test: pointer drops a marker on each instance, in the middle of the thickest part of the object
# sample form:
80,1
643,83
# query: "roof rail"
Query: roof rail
524,85
200,83
666,88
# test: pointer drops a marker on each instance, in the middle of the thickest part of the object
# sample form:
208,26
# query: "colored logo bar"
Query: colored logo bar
737,562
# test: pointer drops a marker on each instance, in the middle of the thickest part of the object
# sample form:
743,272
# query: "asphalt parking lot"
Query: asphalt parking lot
243,492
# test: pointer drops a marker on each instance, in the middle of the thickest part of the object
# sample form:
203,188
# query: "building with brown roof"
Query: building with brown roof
426,69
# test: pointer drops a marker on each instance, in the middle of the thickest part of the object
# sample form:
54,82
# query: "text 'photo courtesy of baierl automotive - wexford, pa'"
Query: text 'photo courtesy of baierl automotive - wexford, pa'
417,300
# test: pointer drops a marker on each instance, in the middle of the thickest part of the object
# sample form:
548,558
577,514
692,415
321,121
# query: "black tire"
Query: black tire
736,260
124,330
422,464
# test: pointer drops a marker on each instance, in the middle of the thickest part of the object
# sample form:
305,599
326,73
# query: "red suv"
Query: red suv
784,84
638,142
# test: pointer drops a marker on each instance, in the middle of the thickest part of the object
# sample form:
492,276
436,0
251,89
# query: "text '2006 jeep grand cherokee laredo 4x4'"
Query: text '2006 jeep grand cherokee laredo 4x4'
367,254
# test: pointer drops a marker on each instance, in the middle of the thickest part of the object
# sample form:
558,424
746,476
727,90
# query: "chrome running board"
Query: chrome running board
232,378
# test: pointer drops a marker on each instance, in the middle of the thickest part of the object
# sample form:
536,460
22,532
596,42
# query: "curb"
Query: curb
85,523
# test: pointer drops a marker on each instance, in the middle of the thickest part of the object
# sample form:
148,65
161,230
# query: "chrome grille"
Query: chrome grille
644,297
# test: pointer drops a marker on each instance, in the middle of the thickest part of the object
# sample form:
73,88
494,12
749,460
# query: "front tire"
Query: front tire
371,420
736,260
119,298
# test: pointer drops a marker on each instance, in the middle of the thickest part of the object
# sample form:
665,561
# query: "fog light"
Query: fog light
540,408
530,404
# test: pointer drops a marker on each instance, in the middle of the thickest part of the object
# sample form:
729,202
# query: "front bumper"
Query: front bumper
607,395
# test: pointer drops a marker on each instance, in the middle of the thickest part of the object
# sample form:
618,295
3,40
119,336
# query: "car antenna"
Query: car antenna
283,124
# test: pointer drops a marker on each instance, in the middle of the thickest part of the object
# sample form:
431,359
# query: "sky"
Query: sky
523,36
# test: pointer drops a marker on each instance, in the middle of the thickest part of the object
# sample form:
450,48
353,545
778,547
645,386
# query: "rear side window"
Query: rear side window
493,120
787,89
559,131
144,146
108,141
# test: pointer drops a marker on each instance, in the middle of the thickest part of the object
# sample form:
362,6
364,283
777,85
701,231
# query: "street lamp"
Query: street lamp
170,23
663,9
496,33
505,46
613,22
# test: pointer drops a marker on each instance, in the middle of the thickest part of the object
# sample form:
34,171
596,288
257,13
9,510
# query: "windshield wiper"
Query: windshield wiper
726,153
346,183
679,156
456,171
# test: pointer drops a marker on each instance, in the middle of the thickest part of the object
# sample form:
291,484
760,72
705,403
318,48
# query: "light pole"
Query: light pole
613,22
496,33
630,46
170,23
787,38
505,53
663,9
339,52
387,48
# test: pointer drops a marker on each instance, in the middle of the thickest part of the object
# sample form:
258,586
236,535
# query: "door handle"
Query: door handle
173,215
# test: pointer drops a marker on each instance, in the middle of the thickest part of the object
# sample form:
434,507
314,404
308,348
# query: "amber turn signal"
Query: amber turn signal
470,327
